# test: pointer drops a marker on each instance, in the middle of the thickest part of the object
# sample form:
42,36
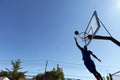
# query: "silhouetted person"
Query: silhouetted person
88,61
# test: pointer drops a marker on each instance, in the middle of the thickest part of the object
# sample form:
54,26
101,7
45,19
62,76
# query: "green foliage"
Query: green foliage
55,74
14,74
4,73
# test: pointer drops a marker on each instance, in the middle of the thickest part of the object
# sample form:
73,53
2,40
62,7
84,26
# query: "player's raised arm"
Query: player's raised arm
77,43
95,57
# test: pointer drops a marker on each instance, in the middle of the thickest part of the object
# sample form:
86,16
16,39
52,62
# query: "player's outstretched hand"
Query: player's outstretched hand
99,60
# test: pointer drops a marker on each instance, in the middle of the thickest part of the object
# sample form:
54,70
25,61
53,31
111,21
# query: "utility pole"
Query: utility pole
45,69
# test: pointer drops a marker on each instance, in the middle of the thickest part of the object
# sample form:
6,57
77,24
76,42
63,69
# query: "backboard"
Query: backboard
92,27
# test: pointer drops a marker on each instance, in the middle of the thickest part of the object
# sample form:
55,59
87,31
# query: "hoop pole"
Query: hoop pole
107,38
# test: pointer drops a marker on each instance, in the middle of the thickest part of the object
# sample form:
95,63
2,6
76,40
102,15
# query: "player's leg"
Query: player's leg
99,75
91,67
95,72
96,76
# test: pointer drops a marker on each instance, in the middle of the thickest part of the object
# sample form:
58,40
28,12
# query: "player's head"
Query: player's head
85,47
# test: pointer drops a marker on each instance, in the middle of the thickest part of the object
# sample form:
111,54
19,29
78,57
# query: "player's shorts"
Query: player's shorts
90,65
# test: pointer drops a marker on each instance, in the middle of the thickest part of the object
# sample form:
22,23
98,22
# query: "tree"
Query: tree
4,73
55,74
14,74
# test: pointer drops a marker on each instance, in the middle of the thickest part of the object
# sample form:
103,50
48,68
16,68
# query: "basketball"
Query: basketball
90,36
76,32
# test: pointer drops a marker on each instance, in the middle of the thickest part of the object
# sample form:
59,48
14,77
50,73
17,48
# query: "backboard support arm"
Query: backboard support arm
107,38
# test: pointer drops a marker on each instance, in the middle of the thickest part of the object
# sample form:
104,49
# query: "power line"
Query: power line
38,63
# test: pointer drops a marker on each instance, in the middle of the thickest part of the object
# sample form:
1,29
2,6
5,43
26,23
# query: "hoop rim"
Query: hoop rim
84,37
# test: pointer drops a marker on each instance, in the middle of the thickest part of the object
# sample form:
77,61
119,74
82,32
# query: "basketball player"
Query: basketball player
88,61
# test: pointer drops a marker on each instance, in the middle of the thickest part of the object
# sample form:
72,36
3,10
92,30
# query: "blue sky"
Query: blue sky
39,30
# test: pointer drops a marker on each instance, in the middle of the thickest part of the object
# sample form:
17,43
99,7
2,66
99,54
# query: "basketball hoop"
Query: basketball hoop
83,36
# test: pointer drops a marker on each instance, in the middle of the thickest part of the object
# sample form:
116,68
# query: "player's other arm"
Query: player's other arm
95,57
77,43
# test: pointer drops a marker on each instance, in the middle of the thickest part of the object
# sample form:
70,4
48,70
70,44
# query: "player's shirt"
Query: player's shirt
86,54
